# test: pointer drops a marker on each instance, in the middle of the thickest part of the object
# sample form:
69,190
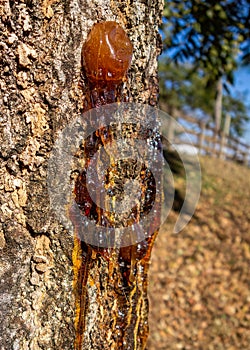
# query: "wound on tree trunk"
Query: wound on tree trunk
111,305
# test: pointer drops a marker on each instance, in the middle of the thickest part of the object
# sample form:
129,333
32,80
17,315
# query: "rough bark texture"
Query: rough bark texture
40,70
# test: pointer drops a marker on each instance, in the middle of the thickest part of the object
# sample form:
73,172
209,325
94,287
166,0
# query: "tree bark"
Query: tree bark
40,69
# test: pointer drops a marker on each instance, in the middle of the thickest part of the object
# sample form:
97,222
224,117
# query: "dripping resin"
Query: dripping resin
106,58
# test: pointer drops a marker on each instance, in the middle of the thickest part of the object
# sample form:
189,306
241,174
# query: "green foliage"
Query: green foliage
209,32
184,89
204,38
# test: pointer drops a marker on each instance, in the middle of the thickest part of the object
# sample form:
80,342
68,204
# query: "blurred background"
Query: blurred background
199,285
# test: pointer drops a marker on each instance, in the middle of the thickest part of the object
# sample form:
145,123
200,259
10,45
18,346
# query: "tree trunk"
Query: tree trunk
218,105
41,45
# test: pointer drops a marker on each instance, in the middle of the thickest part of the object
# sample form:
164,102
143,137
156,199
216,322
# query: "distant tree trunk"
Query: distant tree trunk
41,45
217,112
218,104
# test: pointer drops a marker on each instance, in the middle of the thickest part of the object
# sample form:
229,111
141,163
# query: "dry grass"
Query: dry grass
199,285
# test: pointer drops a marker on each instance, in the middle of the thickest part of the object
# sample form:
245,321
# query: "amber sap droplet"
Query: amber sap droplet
107,53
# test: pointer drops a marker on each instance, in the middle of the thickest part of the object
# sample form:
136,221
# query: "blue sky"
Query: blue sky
242,85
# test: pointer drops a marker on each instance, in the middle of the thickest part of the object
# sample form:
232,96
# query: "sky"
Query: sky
242,85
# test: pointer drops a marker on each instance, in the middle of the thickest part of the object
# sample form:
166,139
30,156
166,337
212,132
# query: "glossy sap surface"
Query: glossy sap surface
107,53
